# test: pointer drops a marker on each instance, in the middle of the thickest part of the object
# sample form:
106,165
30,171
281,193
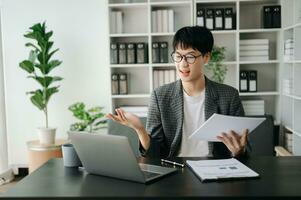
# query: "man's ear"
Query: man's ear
207,58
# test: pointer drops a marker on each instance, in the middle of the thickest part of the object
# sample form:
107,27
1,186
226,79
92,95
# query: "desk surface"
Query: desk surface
279,177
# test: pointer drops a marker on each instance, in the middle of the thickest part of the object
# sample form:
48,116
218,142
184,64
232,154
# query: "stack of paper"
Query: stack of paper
288,50
287,86
253,107
140,111
220,169
254,50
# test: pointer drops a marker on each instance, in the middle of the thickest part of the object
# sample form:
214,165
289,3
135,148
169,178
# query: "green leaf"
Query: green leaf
52,64
27,65
32,45
37,99
48,35
50,92
45,81
50,54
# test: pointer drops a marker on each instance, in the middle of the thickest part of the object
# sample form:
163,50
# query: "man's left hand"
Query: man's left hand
235,143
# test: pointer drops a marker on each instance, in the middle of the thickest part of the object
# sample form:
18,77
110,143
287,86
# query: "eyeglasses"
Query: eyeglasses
176,57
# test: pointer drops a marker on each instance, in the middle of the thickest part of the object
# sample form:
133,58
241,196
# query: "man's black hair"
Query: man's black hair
195,37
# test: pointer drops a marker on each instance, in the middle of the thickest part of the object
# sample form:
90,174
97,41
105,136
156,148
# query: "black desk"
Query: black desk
280,178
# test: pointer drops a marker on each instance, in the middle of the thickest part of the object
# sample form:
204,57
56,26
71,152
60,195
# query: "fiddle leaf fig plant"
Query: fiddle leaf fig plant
218,69
90,119
39,65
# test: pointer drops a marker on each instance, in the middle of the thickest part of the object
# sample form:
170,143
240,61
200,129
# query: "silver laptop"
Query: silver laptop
111,155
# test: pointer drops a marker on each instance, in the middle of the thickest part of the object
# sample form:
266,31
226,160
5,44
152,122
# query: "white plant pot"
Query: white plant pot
46,135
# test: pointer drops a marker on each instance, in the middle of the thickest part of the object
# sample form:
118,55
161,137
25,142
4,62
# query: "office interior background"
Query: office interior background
86,32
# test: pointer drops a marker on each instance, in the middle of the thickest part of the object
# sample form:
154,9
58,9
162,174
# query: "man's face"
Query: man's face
188,70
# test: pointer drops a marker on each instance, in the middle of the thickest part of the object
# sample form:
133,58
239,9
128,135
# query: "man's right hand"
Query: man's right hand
127,119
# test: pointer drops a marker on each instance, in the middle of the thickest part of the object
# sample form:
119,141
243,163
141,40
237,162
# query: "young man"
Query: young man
179,108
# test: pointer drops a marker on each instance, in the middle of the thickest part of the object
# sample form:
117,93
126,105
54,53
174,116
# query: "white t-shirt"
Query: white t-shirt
194,117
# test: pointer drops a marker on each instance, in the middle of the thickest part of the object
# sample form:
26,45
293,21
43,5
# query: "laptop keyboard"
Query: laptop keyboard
148,174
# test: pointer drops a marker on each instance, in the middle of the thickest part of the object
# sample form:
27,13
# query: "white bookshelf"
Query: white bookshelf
185,15
290,70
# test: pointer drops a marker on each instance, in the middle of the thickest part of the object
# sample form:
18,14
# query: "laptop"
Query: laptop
112,155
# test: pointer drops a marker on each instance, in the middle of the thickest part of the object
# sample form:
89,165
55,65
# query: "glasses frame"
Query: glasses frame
184,56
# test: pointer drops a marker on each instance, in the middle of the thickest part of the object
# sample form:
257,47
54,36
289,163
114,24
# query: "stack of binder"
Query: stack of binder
215,18
254,50
163,76
287,86
160,52
116,22
272,16
288,50
140,111
248,81
163,21
253,107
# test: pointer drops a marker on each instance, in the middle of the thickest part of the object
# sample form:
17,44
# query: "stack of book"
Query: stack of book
288,50
163,21
140,111
163,76
288,141
253,107
116,22
254,50
287,86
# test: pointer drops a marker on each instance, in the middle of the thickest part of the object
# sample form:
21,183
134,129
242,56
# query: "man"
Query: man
179,108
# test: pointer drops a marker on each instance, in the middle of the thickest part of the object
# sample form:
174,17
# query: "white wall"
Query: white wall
81,32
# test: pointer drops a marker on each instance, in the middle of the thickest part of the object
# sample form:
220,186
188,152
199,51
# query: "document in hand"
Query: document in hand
220,169
217,124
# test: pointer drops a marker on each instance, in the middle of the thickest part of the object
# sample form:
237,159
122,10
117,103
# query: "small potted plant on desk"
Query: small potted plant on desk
38,66
90,121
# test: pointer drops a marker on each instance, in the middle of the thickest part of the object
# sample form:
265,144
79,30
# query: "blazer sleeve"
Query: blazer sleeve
236,108
155,129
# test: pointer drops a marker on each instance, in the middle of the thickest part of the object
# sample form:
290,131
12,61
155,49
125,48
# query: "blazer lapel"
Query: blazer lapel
211,97
178,107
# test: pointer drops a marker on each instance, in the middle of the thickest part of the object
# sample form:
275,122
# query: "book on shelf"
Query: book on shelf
131,53
123,84
122,53
253,107
244,81
114,53
200,20
155,52
254,53
163,76
155,79
219,19
171,21
272,16
254,58
254,42
163,52
154,21
159,21
140,111
113,26
119,22
115,84
209,18
276,16
164,21
253,47
229,21
142,53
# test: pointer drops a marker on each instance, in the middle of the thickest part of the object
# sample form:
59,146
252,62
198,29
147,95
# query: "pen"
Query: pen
173,163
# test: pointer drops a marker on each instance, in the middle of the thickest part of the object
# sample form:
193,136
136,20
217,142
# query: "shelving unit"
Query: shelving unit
185,15
290,70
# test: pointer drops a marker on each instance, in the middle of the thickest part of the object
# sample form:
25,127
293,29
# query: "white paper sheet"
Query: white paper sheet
220,169
217,124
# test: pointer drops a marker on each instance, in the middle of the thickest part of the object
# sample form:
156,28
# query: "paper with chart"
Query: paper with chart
218,123
220,169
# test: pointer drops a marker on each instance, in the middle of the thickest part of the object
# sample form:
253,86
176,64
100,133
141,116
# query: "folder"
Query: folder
243,81
200,16
155,52
209,18
114,53
131,53
276,16
163,52
115,84
229,22
267,16
123,84
219,19
253,81
171,21
142,53
122,53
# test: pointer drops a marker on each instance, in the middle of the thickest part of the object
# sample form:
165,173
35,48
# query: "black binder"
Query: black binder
163,52
253,81
122,53
209,19
155,52
114,53
200,16
244,81
131,53
115,84
267,16
276,16
229,22
219,19
142,53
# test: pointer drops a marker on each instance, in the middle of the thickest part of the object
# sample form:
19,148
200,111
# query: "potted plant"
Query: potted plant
218,70
91,121
38,66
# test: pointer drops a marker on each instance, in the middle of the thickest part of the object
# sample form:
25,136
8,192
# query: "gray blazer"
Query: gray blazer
166,113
